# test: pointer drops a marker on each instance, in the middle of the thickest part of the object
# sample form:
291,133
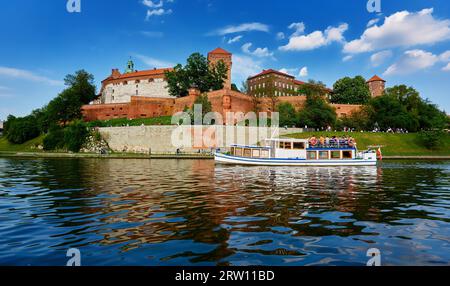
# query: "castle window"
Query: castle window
151,80
125,83
137,92
137,81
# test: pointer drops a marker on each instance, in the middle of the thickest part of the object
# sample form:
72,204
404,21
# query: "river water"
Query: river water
192,212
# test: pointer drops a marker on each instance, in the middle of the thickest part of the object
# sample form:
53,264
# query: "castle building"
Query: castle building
272,83
144,94
376,86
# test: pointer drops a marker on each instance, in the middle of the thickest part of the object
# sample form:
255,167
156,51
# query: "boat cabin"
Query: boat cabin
287,148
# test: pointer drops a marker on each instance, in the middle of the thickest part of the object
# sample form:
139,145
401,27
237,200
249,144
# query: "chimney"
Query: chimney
115,73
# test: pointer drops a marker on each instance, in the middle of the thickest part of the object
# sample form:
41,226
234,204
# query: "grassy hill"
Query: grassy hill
29,146
394,144
164,120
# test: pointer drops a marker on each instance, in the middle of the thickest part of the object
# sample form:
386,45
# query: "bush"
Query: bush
54,139
21,130
75,136
432,139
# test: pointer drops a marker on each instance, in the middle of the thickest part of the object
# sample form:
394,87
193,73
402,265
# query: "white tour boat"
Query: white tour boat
296,152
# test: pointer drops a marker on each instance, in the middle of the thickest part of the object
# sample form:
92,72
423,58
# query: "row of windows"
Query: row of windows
327,155
250,153
277,84
136,82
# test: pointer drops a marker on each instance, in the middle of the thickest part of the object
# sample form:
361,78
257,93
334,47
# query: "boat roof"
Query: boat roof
250,146
287,140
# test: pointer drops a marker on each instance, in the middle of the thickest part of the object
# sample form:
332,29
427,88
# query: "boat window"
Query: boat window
281,145
312,155
256,153
299,145
238,152
323,155
247,153
265,154
335,154
347,154
233,151
287,145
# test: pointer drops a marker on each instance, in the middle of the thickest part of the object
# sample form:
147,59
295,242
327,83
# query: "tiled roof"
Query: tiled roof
299,82
376,78
220,51
270,71
152,72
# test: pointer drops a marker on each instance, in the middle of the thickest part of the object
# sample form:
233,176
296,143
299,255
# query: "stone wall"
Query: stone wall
159,139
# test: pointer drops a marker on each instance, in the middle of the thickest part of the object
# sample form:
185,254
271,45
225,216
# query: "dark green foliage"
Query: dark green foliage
317,113
313,88
350,91
62,110
402,107
75,135
199,73
432,139
54,140
234,87
206,105
288,115
20,130
70,138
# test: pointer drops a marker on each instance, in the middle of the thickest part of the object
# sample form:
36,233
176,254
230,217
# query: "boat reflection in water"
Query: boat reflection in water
193,212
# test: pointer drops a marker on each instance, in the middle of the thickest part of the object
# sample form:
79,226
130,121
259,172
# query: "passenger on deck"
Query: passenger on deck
313,141
322,141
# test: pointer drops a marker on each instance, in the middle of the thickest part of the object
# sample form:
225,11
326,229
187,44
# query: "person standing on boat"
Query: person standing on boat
322,141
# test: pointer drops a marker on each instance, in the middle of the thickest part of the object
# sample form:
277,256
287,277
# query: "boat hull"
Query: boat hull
227,159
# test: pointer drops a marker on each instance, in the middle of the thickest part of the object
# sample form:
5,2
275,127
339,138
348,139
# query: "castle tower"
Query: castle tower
220,54
376,86
130,67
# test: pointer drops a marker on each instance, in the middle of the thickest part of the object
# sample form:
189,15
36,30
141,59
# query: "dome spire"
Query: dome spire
130,66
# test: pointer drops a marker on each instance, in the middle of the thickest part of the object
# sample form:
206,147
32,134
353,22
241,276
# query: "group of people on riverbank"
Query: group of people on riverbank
332,142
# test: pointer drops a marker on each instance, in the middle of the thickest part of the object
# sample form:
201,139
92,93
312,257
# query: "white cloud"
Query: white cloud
235,39
316,39
445,56
246,27
281,36
28,75
289,71
154,63
379,58
151,4
157,12
258,52
299,29
244,67
402,29
446,68
303,72
155,8
373,22
347,58
411,61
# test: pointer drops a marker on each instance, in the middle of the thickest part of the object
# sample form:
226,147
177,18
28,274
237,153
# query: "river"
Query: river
192,212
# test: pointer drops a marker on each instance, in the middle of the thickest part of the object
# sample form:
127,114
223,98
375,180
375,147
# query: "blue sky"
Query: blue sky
408,42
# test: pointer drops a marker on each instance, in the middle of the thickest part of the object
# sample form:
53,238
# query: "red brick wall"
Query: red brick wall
222,101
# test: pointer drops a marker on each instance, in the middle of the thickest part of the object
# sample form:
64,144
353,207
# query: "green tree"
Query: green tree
66,107
234,87
21,130
198,72
206,105
75,135
350,91
313,88
288,115
317,113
